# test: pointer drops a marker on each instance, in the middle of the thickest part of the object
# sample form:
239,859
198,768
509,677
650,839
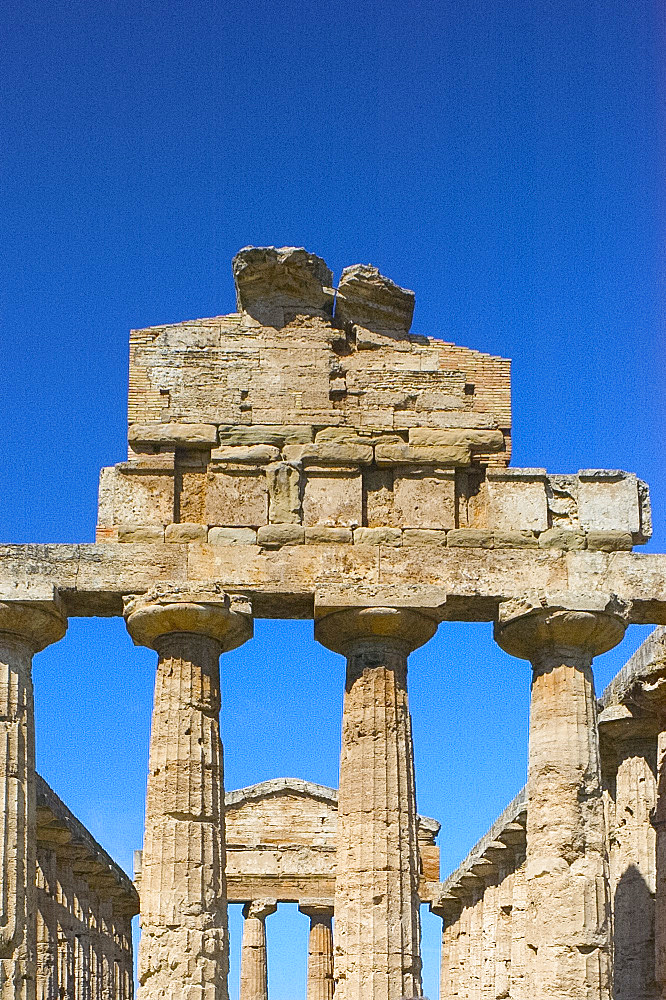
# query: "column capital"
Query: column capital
36,623
259,908
206,610
341,631
556,631
317,909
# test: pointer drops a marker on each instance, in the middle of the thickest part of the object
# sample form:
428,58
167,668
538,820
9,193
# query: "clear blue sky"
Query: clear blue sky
502,159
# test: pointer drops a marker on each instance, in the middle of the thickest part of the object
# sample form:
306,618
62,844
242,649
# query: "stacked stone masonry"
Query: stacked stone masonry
307,456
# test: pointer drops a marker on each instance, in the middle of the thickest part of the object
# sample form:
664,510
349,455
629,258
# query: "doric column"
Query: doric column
519,984
320,950
25,628
47,926
377,929
629,766
503,936
476,944
448,909
659,822
184,946
254,962
567,862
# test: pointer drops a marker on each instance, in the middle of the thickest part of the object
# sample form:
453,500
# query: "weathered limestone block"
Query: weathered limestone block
135,498
321,534
568,929
237,498
273,536
425,498
401,453
424,536
321,983
514,540
366,297
517,499
470,538
284,489
562,538
609,541
180,434
265,435
273,283
184,942
232,536
255,454
376,894
608,501
378,536
25,628
460,437
140,533
185,532
254,965
334,499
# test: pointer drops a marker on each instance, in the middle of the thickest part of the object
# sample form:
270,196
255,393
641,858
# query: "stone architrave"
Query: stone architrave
568,928
254,960
377,929
184,942
321,984
25,628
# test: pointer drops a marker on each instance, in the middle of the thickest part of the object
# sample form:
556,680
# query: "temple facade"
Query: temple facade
307,456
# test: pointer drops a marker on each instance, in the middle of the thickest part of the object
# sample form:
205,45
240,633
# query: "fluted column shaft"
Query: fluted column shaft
519,984
254,960
47,926
320,952
24,629
567,863
184,941
659,822
632,859
377,928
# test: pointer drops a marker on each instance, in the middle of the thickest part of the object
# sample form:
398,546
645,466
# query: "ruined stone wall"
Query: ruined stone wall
485,942
290,423
85,905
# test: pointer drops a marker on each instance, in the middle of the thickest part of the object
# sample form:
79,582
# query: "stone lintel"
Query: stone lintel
92,579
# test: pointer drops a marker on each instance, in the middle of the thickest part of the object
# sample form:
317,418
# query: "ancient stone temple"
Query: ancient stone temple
308,457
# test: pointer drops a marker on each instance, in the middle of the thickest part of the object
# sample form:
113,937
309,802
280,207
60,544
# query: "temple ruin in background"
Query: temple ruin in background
307,456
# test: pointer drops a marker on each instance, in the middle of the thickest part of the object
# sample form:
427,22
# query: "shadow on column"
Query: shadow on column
633,936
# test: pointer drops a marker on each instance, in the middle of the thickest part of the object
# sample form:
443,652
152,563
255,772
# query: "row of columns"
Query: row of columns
184,947
84,947
254,964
